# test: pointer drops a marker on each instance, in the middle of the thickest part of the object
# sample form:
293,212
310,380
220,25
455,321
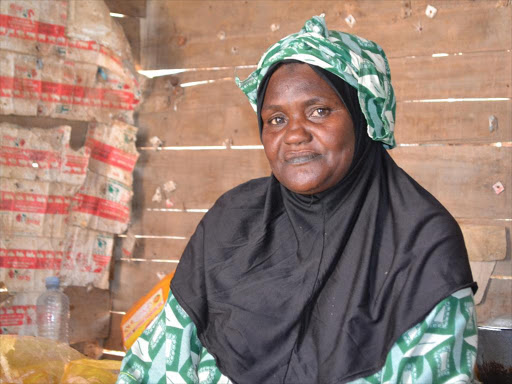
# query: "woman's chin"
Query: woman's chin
304,187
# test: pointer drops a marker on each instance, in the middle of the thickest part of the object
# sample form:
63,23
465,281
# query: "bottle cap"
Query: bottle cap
52,282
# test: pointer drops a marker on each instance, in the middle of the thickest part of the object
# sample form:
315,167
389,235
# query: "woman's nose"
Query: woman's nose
297,132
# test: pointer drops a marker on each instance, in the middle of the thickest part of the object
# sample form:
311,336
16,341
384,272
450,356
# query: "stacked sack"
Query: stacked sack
60,208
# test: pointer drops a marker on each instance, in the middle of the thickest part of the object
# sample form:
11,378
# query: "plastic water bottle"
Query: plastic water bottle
52,312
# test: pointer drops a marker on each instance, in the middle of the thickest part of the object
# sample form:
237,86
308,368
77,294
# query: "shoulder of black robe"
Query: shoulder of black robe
285,288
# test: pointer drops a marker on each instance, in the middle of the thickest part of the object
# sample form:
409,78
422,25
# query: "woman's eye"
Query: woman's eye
320,112
276,120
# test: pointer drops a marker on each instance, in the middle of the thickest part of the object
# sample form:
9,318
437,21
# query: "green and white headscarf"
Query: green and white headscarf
360,62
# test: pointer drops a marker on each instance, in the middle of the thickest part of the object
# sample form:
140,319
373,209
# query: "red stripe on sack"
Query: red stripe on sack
29,259
27,29
111,155
20,157
64,93
55,34
97,206
15,315
34,203
76,164
19,88
101,260
110,53
15,309
11,319
58,205
23,202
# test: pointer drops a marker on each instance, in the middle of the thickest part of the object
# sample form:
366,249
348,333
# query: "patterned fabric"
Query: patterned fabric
360,62
440,349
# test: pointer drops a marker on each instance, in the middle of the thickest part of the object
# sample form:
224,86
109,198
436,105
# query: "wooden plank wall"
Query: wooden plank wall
464,52
133,11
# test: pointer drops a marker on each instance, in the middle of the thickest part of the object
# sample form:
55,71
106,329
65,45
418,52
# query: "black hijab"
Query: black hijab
303,289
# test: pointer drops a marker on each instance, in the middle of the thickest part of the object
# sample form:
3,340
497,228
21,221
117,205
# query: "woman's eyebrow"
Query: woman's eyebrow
273,107
308,102
315,100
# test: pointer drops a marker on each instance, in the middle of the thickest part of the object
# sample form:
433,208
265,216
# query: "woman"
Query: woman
338,268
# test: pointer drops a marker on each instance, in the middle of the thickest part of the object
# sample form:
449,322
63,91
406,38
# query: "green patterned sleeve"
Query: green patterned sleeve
440,349
145,360
169,351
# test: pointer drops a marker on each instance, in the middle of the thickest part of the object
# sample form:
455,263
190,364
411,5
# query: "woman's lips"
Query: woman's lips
300,157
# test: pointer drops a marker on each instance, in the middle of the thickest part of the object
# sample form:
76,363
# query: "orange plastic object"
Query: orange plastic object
146,309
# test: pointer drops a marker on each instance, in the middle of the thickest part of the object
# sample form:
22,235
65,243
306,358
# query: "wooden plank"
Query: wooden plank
78,128
413,78
89,313
466,122
482,271
485,243
477,75
114,341
194,98
159,249
497,301
506,223
133,279
201,176
162,223
208,126
461,177
503,269
134,8
192,34
131,28
212,113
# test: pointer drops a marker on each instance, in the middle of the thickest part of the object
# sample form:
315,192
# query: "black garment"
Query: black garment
303,289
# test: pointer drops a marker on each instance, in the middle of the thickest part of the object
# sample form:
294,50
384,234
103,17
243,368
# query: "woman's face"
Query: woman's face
308,135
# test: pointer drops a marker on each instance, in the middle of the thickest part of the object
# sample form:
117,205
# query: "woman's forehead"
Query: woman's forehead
297,80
